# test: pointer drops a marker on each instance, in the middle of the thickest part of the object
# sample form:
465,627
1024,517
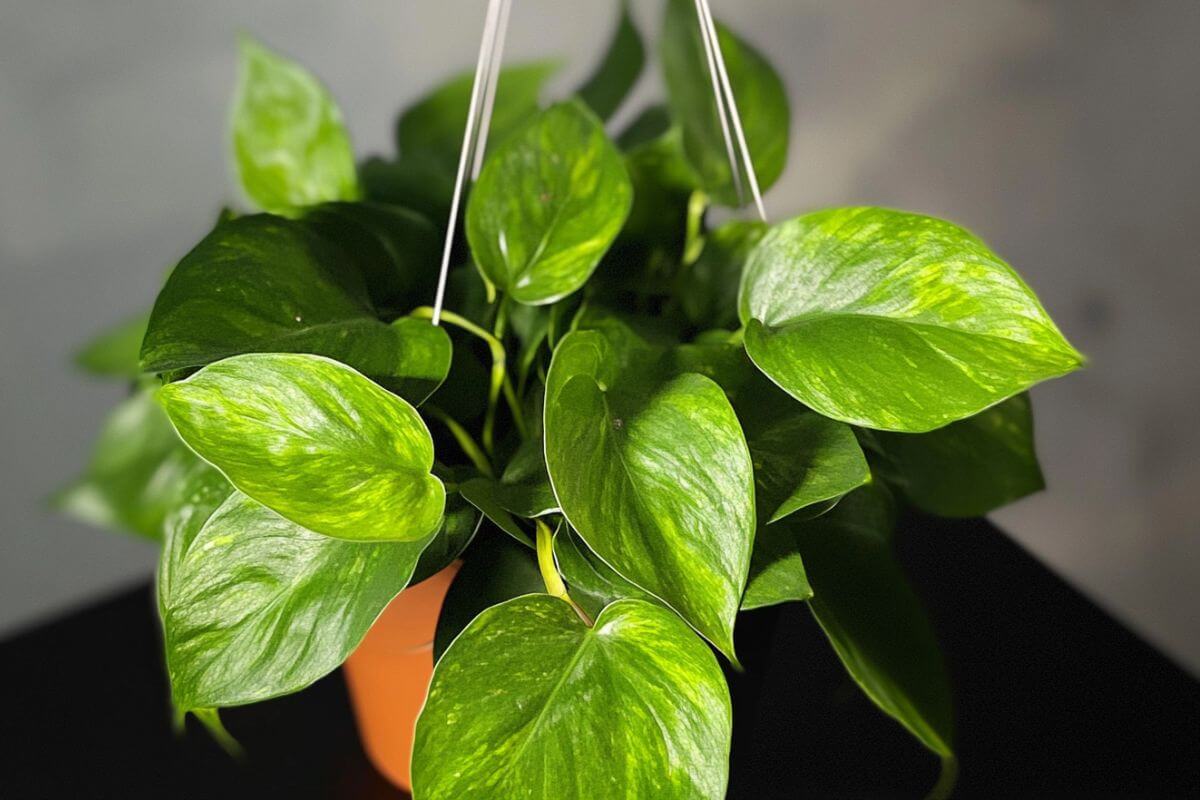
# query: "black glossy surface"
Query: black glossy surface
1054,699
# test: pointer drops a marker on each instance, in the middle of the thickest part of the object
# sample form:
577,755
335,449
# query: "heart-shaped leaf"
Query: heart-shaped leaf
138,473
874,621
968,468
264,284
314,441
549,203
254,606
618,71
760,94
653,472
531,703
289,143
892,320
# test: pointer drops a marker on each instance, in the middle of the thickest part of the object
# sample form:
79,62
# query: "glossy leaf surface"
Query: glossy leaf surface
802,459
289,143
138,470
314,441
875,622
549,202
777,573
618,71
892,320
529,702
592,583
760,94
968,468
255,606
265,284
653,472
431,130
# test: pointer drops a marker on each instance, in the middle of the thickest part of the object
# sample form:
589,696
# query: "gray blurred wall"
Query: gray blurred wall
1066,133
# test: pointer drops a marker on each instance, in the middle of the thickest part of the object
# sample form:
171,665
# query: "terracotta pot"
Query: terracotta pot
389,674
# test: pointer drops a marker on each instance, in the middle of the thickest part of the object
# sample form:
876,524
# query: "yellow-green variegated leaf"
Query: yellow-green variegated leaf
530,703
314,441
651,468
289,143
549,203
254,606
893,320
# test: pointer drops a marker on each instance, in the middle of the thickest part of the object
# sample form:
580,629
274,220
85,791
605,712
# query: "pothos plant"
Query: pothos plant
671,422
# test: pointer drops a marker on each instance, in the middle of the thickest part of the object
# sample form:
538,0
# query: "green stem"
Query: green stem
554,582
945,784
694,240
500,381
468,445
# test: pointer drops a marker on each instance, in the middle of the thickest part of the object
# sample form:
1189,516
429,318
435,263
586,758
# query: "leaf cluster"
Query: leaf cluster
631,424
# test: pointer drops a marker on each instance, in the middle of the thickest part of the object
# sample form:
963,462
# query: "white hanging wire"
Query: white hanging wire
491,82
708,30
719,96
486,48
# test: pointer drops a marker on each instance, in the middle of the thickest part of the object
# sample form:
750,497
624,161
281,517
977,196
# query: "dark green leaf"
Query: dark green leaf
254,606
531,703
495,569
314,441
968,468
592,583
874,621
432,129
396,250
708,289
266,284
289,143
892,320
413,182
662,182
620,69
523,489
114,353
776,569
654,473
550,201
459,526
760,94
802,459
137,472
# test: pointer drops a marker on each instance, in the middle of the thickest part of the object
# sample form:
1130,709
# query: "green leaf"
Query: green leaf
593,584
708,289
549,203
892,320
802,459
267,284
432,129
138,471
289,144
459,526
254,606
874,620
314,441
523,489
495,569
760,94
396,249
618,71
777,572
968,468
114,353
654,473
529,702
662,182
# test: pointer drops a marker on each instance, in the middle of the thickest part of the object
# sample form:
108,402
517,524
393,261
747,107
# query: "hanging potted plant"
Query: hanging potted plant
624,423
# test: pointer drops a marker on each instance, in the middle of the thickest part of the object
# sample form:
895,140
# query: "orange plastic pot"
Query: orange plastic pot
389,674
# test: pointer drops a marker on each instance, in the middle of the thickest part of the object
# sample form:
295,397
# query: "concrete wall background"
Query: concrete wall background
1066,133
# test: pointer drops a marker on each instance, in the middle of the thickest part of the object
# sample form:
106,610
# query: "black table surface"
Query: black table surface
1053,697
